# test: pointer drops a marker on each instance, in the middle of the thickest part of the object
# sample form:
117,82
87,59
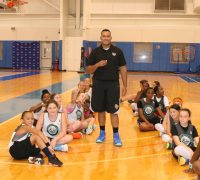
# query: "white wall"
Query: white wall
129,20
37,20
135,20
32,28
71,37
72,55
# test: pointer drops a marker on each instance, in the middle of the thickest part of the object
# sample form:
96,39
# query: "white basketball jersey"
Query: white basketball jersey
51,128
37,114
18,138
76,114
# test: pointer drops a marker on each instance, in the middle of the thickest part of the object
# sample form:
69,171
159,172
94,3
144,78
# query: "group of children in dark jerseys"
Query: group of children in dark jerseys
173,122
48,126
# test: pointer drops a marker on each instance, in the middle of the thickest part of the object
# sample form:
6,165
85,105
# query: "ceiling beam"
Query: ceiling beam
52,5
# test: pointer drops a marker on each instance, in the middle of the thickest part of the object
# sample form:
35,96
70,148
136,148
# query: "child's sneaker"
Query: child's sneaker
36,160
160,134
61,147
182,161
94,126
117,140
89,131
169,146
53,160
136,113
77,135
101,137
130,101
84,131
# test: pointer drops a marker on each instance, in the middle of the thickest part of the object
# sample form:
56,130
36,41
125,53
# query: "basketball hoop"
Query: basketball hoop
13,3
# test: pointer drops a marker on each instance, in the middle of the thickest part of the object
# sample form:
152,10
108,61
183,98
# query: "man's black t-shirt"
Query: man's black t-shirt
115,59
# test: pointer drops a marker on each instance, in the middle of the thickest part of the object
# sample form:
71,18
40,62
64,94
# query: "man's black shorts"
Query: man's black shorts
105,96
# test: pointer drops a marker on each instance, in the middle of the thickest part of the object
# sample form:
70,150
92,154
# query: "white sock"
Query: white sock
166,138
159,127
182,151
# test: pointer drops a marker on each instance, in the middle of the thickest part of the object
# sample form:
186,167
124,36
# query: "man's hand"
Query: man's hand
124,91
101,63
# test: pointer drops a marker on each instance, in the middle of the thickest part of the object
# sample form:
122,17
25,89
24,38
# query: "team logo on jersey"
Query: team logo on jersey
148,110
52,129
114,54
186,139
78,114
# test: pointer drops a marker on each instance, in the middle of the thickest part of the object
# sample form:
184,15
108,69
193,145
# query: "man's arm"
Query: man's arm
123,72
90,69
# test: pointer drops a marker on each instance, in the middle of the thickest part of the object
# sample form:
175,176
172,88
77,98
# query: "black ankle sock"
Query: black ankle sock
40,156
115,130
102,128
47,152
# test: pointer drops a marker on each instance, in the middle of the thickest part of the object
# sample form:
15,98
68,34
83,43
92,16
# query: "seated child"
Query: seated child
185,137
169,121
41,107
25,139
146,109
53,124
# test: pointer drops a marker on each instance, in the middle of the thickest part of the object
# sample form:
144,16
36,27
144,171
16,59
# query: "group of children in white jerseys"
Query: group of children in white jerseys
48,126
56,126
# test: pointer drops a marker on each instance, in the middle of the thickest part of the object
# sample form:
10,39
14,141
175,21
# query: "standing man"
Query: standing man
105,62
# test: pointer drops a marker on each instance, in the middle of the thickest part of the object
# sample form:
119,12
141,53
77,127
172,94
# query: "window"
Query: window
143,52
161,4
169,5
182,53
1,50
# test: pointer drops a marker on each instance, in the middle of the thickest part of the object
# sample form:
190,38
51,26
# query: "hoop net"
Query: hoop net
16,3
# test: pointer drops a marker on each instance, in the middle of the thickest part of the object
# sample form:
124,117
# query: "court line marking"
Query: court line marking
6,121
123,140
194,177
92,162
111,149
191,79
108,142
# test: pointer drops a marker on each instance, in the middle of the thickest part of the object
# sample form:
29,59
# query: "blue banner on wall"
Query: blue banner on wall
26,55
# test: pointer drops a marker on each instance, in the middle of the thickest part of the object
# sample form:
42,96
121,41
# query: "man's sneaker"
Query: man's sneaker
169,146
182,161
53,160
77,135
36,160
117,140
61,147
101,137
